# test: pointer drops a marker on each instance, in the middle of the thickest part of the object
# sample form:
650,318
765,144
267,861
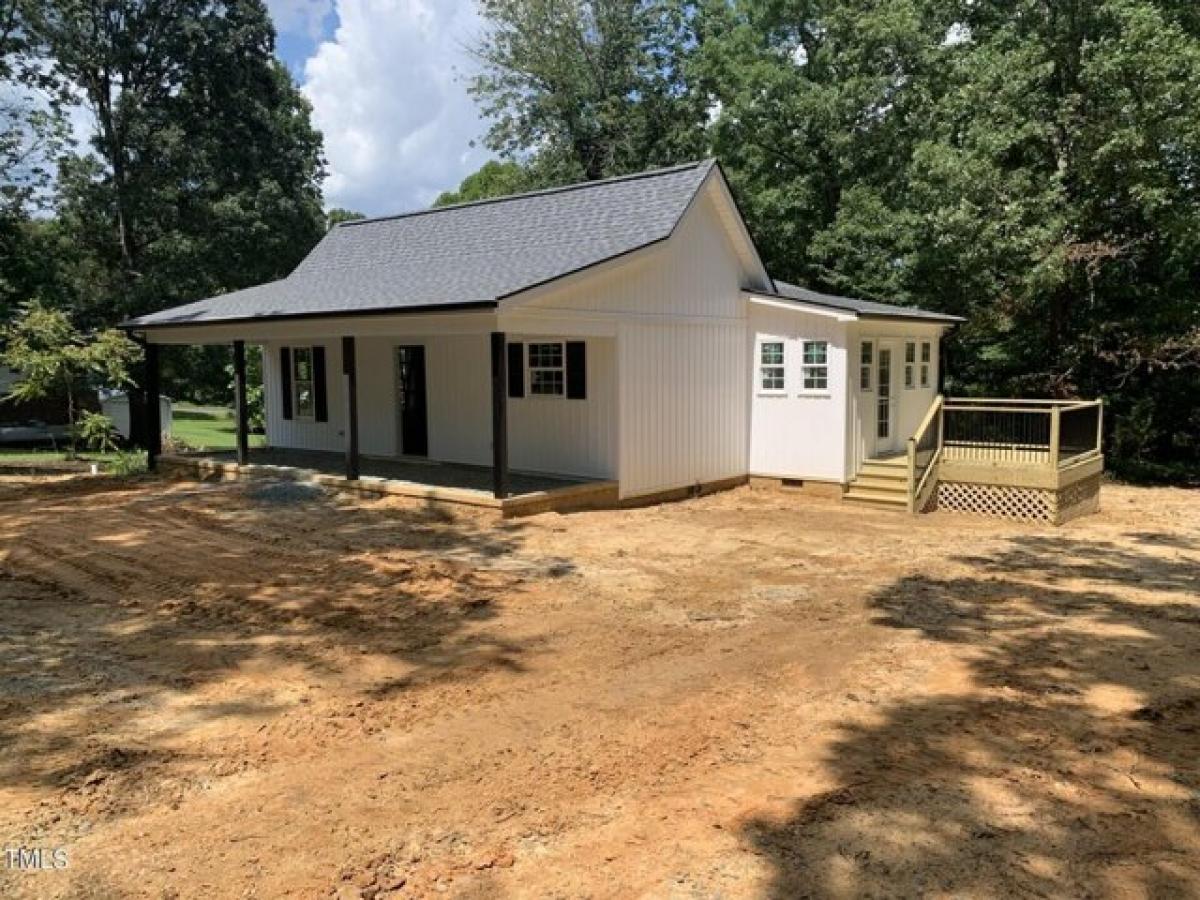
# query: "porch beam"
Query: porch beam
350,373
241,412
153,416
499,416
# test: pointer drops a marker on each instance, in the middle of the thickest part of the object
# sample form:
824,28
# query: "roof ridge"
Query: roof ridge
541,192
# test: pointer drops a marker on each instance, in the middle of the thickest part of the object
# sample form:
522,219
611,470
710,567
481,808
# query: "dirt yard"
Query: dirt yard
216,690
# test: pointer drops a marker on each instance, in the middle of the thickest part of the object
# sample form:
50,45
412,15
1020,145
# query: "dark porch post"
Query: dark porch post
350,370
153,419
241,413
499,416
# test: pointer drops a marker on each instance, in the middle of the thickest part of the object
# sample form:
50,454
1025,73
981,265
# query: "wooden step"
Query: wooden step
892,499
896,462
882,483
891,473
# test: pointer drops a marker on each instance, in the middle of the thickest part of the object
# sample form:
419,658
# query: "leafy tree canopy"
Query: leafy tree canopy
52,357
339,215
492,179
588,88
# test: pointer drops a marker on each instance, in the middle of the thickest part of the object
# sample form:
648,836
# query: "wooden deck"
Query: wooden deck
1027,459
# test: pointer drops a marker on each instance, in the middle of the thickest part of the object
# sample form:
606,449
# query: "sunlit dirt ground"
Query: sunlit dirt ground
219,690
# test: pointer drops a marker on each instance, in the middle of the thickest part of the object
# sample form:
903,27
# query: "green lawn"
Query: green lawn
194,427
207,427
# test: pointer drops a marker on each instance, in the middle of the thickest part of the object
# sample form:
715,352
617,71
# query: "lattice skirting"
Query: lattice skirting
1026,504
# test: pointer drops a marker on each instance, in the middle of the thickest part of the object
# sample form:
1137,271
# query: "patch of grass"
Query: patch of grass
207,427
114,463
27,455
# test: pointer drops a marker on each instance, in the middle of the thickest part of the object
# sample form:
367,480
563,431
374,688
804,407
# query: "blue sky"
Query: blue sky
386,81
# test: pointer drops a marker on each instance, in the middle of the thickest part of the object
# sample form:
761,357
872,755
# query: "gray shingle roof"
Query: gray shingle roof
471,254
865,308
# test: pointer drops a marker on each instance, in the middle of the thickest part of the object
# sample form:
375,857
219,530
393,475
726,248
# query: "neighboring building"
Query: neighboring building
115,405
624,330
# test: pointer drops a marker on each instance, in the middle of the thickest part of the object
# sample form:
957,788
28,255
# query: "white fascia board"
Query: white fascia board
798,306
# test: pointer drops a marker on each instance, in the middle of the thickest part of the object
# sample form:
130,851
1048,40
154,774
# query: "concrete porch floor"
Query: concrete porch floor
436,481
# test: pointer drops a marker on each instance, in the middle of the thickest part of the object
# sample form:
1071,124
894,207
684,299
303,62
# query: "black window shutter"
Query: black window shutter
576,370
516,370
285,379
318,374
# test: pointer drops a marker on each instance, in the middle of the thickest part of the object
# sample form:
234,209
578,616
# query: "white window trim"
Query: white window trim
910,368
925,363
872,379
760,365
805,366
529,369
311,382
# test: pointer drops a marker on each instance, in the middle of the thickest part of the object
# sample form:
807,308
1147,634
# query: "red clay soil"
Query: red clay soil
222,690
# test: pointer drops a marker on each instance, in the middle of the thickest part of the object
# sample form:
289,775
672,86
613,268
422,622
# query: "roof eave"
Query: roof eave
135,325
928,319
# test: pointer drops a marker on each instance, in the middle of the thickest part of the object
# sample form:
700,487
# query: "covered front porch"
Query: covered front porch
445,407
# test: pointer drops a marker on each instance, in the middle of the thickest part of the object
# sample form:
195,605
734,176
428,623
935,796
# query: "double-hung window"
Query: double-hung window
815,368
910,359
866,365
304,399
547,374
770,366
926,358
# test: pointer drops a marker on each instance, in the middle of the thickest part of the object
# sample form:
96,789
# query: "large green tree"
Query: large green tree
204,173
583,89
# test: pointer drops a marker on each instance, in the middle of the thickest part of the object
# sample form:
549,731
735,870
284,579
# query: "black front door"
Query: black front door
410,399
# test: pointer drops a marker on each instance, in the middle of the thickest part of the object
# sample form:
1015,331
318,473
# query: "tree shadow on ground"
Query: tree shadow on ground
1068,767
119,603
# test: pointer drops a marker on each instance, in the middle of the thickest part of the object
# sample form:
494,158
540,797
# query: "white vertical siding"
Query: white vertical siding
793,433
376,396
683,410
459,396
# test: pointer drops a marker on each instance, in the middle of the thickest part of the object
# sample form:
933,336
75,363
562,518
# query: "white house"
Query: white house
622,330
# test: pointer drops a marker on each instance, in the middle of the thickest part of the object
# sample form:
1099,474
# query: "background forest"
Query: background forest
1032,165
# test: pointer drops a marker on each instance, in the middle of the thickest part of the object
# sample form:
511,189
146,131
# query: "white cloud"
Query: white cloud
388,95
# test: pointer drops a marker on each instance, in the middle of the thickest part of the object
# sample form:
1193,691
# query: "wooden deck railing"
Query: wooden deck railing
1047,433
924,449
